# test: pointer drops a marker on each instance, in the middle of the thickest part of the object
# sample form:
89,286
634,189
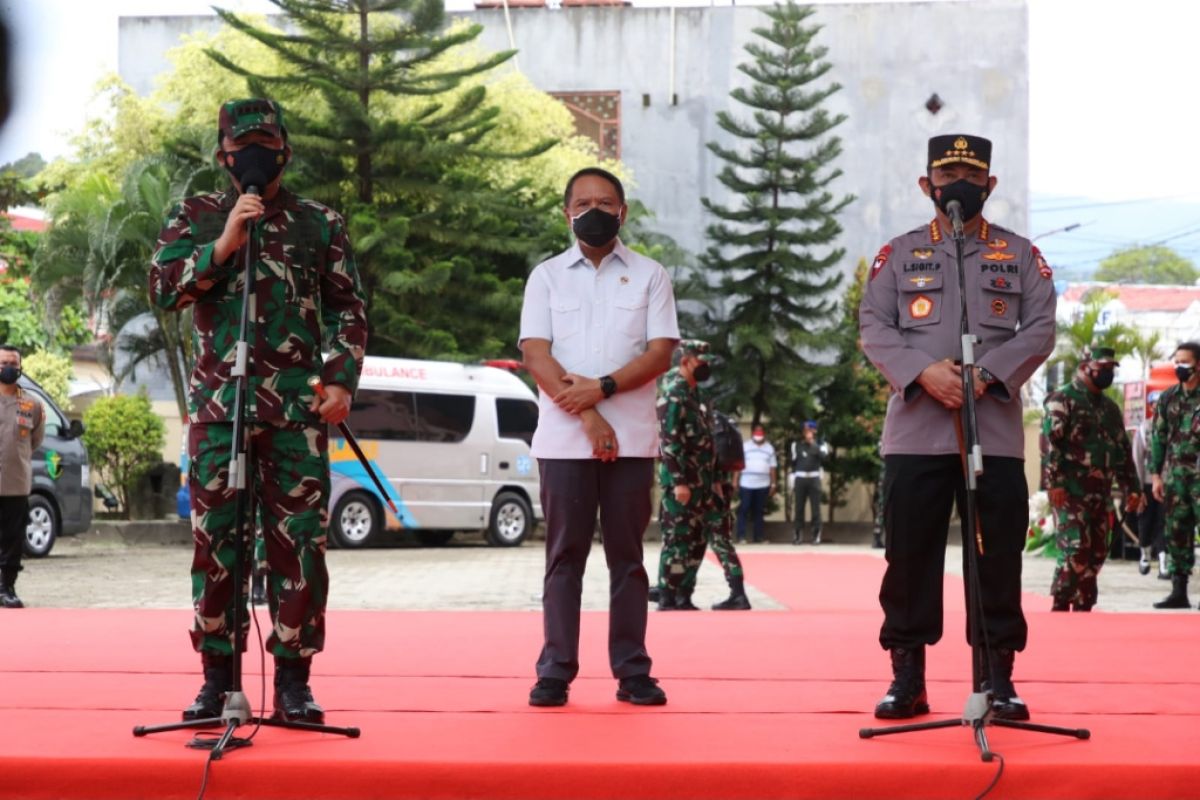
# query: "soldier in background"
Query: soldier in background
1150,520
695,500
807,457
909,320
1174,472
306,292
1087,451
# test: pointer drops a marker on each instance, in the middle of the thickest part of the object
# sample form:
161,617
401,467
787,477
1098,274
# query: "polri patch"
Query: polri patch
920,307
880,260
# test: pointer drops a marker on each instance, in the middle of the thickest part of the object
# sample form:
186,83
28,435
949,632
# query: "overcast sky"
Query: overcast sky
1113,115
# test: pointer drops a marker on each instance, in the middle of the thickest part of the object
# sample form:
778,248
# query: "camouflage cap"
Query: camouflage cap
1101,355
239,117
691,347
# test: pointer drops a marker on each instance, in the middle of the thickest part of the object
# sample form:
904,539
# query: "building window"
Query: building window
598,117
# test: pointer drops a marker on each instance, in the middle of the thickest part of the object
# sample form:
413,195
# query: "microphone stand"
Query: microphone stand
236,711
977,713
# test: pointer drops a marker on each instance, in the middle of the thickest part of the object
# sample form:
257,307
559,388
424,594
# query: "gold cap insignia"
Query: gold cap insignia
960,143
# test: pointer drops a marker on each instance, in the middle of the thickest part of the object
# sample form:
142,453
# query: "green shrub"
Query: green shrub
124,439
52,373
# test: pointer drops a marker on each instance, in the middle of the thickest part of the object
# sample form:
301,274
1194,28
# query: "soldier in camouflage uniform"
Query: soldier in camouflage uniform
306,292
696,495
1088,450
1174,473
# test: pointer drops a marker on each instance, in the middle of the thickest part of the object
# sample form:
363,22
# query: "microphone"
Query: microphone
954,211
253,181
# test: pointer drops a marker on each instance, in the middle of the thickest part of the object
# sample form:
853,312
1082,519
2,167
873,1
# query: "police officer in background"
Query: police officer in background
22,427
910,318
807,456
1088,450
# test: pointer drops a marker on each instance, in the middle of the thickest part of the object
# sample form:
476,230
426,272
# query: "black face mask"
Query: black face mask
970,195
1184,372
595,227
1102,377
258,160
702,372
9,374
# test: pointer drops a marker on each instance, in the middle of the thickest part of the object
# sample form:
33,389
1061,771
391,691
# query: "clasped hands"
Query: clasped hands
943,381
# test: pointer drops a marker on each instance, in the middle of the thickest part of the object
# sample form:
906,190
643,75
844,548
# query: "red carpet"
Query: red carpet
762,705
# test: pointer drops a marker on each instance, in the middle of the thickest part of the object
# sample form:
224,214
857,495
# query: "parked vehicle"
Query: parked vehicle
451,442
61,501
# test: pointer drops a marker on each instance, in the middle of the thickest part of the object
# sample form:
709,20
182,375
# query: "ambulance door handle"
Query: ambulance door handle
483,463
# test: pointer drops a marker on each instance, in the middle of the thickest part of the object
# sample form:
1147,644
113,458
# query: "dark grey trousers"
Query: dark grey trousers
572,492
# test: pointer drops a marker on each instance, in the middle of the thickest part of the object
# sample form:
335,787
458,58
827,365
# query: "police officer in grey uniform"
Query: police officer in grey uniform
909,321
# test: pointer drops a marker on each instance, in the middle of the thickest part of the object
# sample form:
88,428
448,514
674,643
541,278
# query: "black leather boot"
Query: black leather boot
652,595
1005,703
737,600
906,696
1178,597
877,540
8,592
683,601
666,598
797,536
293,699
218,679
1059,603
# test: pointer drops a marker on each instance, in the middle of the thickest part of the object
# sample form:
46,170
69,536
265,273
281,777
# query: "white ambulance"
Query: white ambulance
451,445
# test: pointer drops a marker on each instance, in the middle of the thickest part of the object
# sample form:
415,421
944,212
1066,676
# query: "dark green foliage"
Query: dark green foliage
382,135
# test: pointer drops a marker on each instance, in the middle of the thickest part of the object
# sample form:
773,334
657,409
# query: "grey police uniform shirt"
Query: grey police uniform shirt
22,426
909,319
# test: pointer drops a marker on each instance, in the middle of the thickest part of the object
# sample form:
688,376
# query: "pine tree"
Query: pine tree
384,132
773,253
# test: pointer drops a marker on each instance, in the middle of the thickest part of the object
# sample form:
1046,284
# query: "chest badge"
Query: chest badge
999,257
921,307
999,307
921,254
921,281
998,244
1001,283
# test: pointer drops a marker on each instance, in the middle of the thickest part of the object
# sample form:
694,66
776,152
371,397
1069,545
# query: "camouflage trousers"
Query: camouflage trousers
706,521
287,488
1181,509
1083,526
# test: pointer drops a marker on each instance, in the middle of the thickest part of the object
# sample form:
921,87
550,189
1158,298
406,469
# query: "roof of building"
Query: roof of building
1138,297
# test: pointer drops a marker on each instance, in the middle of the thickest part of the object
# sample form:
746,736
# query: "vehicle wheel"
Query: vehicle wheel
355,521
42,528
511,520
434,538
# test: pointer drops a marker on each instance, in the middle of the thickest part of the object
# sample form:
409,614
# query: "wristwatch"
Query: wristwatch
608,386
987,377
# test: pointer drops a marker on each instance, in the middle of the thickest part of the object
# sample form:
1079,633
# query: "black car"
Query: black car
61,500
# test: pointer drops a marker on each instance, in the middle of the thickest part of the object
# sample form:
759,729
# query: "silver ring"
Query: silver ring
608,445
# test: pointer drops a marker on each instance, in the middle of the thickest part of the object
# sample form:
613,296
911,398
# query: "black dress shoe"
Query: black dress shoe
1011,707
549,692
641,690
653,595
9,599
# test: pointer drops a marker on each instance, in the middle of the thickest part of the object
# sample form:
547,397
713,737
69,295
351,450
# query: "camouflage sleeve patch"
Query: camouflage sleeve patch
182,269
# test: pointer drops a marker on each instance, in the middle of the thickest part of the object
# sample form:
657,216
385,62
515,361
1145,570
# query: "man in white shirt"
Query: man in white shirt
597,327
756,483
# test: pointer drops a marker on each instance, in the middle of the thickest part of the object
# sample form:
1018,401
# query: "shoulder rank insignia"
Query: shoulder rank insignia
998,244
1042,267
935,232
920,307
922,254
999,257
880,260
999,307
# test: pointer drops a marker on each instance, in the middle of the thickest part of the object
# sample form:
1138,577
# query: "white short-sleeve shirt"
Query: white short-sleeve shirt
597,320
760,460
